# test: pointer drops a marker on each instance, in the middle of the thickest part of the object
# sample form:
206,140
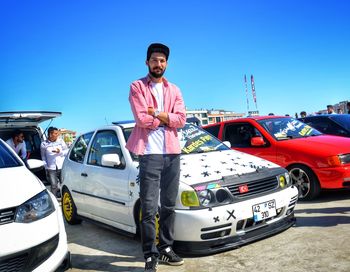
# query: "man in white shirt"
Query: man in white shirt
53,152
18,144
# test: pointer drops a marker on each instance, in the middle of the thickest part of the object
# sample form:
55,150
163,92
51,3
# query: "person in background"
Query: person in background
302,114
53,152
339,111
348,107
18,144
158,109
330,109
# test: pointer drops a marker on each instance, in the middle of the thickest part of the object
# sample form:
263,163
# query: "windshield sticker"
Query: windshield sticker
305,131
197,143
190,133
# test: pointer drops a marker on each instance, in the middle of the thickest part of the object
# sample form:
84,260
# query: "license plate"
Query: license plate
264,210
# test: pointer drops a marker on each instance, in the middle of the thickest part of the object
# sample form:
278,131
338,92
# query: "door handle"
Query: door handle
84,174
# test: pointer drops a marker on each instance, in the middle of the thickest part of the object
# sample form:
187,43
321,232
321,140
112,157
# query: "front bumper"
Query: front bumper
207,231
215,246
334,177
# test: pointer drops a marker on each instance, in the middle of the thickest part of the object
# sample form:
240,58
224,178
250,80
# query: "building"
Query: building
68,136
339,107
212,116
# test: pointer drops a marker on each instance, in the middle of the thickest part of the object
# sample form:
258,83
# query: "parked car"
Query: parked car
315,161
226,198
334,124
32,233
28,122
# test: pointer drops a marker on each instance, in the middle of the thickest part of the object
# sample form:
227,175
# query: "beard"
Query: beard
155,74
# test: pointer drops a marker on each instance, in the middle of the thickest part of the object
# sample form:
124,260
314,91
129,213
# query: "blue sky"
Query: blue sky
79,57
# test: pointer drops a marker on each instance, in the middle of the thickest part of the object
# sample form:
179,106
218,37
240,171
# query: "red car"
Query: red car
314,160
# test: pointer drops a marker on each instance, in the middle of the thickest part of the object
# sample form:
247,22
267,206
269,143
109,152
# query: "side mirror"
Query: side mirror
110,160
257,141
35,165
227,143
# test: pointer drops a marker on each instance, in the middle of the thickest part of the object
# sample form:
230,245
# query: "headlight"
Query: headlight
189,199
35,208
338,160
204,196
282,181
344,158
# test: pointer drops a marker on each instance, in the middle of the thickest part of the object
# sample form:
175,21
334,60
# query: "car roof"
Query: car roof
125,123
256,118
321,116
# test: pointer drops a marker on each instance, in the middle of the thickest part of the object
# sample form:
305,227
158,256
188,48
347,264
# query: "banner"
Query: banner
253,89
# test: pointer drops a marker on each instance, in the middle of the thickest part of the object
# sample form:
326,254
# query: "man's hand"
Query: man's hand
150,111
163,117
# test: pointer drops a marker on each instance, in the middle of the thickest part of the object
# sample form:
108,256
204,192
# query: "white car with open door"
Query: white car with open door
29,123
226,198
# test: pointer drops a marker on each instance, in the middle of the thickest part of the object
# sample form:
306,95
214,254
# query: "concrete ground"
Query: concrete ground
320,241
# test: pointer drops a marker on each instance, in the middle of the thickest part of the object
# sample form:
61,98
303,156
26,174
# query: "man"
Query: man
158,110
18,144
348,107
330,109
302,114
53,151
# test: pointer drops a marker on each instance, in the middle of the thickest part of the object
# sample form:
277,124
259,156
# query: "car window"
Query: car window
78,151
7,159
342,119
324,125
104,142
240,135
214,130
288,128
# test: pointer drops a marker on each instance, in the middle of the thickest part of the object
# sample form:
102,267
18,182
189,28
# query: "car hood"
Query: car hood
25,118
17,185
203,167
326,145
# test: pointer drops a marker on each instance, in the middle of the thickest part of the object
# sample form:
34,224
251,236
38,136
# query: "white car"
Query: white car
32,232
226,198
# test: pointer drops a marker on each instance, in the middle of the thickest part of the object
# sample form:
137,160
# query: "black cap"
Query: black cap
158,48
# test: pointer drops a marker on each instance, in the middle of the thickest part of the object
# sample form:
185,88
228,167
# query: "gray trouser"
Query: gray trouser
158,172
54,177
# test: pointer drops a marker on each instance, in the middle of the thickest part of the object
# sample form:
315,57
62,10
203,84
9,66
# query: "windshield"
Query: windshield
288,128
342,119
7,159
192,140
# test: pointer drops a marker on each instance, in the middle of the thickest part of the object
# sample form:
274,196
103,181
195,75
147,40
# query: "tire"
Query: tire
69,209
305,180
157,223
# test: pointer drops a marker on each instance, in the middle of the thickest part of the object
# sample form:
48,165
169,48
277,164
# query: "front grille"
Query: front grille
7,216
254,187
14,264
29,259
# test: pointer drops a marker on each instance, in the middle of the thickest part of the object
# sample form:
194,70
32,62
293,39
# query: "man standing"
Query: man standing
53,151
158,110
18,144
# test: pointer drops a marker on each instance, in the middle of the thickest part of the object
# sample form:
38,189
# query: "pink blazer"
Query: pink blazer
140,98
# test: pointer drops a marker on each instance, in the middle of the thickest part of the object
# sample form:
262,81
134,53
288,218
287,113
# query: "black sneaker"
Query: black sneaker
168,256
151,264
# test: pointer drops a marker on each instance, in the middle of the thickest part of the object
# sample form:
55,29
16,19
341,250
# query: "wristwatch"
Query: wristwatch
156,113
